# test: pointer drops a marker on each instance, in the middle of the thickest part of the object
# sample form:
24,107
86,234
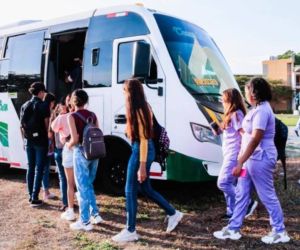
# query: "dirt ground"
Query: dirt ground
23,227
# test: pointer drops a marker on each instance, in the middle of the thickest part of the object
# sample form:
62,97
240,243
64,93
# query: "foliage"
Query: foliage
290,54
279,90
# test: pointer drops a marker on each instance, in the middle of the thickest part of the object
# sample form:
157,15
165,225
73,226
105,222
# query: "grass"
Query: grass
289,120
84,243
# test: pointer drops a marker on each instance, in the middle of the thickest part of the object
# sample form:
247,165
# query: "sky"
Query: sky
247,32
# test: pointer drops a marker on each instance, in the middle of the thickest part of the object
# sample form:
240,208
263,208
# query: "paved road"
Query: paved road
293,144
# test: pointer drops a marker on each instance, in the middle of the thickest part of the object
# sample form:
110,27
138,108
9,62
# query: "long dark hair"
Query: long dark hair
136,105
235,100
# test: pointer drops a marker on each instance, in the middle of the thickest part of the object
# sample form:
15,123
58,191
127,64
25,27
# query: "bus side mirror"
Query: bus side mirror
141,59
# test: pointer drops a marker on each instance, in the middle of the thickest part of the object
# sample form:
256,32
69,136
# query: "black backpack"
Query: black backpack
93,146
29,119
281,135
161,143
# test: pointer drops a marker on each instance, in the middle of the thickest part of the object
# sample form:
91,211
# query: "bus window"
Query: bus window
24,53
97,65
1,44
101,33
125,63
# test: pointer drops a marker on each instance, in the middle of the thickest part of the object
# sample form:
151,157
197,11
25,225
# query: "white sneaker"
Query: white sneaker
49,196
96,219
226,233
274,237
78,225
253,204
173,221
125,236
68,215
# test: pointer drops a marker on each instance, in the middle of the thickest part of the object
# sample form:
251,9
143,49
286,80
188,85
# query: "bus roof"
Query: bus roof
79,20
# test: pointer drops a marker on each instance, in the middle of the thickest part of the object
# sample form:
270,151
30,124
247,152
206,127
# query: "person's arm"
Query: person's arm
259,124
256,137
142,173
73,132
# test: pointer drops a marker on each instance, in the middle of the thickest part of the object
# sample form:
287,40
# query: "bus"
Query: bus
183,74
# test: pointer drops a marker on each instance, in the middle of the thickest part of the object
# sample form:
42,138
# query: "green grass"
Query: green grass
289,120
84,243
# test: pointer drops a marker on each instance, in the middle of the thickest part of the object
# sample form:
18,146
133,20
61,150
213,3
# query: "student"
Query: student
34,127
139,130
257,162
234,112
49,102
84,170
60,125
297,128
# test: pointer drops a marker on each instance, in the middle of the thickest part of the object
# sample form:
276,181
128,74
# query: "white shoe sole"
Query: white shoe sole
136,238
226,237
280,240
254,206
169,230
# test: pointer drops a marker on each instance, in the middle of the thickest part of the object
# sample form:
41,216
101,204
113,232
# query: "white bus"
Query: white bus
184,77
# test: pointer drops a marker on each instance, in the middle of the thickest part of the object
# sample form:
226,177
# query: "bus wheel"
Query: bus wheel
4,168
113,168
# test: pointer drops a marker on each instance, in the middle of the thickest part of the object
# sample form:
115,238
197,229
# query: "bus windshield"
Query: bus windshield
199,63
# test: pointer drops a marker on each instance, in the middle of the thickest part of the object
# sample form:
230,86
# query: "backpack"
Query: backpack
281,135
93,146
29,120
161,143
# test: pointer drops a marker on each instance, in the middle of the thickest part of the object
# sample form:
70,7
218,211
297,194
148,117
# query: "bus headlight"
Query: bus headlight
204,134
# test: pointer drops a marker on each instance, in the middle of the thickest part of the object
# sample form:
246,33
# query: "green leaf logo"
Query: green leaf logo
4,134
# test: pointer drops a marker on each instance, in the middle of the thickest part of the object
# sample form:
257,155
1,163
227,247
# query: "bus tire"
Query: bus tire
113,168
4,167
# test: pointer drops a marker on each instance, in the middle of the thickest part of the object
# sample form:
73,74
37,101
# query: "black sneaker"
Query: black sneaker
226,217
251,207
36,203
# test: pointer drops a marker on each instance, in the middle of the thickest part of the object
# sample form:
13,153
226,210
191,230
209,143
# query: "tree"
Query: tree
290,54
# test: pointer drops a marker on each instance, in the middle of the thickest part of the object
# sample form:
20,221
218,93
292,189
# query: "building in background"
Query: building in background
285,71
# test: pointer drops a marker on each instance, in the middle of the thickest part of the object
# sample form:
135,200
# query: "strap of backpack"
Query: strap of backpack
86,121
81,117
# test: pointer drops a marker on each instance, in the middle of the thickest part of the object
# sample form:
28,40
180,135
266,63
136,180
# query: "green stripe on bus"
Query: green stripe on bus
186,169
4,134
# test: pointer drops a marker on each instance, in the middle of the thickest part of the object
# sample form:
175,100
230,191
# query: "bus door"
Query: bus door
25,62
155,92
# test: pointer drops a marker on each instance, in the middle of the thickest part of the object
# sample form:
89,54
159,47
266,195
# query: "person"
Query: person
234,112
75,76
34,131
84,170
59,135
49,101
297,128
256,165
60,126
139,129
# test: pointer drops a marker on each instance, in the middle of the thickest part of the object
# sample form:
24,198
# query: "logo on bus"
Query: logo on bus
4,134
3,107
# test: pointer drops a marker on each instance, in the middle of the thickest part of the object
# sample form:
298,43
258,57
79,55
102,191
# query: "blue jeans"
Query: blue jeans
132,184
45,181
61,176
85,173
36,156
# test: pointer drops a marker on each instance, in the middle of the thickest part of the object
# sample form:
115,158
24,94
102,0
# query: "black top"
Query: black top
41,111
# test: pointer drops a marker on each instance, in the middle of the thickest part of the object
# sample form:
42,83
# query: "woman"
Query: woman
234,112
60,126
50,104
139,130
256,164
84,170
